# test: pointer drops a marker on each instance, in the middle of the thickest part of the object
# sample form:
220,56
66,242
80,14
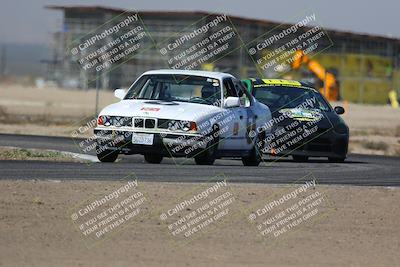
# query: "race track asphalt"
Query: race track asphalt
356,170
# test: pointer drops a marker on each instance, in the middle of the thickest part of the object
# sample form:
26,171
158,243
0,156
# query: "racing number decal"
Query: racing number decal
251,125
236,128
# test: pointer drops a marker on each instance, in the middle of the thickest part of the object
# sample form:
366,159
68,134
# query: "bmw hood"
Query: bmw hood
160,109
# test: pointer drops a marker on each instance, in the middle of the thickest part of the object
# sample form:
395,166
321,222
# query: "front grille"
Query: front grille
139,123
118,121
150,123
163,123
144,123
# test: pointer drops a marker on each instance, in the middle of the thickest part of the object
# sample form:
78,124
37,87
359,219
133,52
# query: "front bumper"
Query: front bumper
324,143
166,144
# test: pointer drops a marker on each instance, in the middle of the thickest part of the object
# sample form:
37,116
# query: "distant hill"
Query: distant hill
24,59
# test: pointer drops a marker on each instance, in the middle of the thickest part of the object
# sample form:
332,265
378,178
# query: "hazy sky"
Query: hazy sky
27,21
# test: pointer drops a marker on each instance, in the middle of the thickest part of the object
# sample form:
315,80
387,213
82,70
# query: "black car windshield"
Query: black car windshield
184,88
282,97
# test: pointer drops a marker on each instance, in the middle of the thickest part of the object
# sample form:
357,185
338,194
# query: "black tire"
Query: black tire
336,160
153,158
208,155
107,156
300,158
255,156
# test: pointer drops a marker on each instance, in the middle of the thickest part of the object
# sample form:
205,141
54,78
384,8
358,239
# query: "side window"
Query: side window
148,89
229,88
135,88
242,93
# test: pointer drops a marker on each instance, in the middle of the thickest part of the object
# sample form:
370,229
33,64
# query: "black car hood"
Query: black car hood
324,120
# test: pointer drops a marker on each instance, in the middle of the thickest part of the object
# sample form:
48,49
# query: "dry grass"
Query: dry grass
20,153
397,131
374,145
3,112
7,153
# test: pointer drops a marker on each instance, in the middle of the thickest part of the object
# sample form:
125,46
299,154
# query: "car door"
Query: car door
234,134
250,115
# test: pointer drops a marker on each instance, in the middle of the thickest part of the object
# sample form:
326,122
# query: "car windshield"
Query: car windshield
282,97
183,88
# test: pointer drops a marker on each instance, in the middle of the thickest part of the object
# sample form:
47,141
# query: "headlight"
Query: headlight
103,120
173,125
107,120
185,125
182,125
341,128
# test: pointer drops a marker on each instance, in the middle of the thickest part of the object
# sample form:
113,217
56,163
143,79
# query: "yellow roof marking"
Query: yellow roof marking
281,82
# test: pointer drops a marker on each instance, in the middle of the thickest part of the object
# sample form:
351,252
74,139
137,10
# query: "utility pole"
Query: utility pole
325,88
3,61
96,106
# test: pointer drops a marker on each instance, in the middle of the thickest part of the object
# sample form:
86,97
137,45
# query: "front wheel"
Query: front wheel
107,156
153,158
208,155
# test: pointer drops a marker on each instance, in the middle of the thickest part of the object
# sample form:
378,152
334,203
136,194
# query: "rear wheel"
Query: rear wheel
107,156
255,156
208,155
300,158
153,158
336,160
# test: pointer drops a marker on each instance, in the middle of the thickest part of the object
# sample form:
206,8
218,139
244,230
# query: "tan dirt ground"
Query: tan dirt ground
56,102
359,228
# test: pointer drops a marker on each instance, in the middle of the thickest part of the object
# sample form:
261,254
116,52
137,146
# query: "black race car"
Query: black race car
303,123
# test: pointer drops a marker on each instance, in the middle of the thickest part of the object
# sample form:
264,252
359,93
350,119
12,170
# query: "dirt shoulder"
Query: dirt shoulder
374,130
48,111
359,227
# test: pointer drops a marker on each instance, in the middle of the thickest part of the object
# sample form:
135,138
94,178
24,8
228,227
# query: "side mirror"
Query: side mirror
232,102
339,110
120,93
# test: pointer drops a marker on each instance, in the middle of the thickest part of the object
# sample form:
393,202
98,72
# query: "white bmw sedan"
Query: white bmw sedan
181,113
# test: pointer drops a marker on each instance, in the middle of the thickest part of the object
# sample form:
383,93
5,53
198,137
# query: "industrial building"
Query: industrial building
365,66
